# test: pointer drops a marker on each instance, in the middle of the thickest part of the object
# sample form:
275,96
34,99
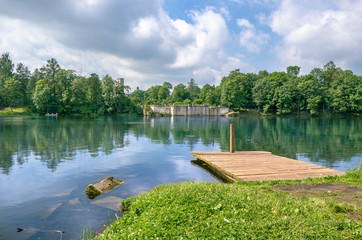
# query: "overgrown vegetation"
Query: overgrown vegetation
242,210
330,88
53,89
14,111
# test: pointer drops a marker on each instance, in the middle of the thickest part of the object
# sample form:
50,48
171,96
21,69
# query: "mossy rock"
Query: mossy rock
107,184
92,192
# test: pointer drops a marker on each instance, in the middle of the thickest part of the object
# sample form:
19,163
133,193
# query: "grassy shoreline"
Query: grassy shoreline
257,210
15,112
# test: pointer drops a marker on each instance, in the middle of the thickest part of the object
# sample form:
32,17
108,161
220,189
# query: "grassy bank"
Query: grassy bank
14,111
261,210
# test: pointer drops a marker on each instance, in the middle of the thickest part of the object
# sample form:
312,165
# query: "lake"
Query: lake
46,163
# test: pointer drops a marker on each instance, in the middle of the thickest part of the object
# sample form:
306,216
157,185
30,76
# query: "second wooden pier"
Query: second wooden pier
260,165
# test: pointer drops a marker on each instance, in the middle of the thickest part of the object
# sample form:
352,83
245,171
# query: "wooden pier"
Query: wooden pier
260,165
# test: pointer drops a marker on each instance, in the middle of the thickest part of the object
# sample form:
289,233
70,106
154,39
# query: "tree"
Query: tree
163,94
311,93
264,90
6,68
193,90
179,93
64,79
6,71
330,74
50,69
262,74
207,94
30,88
94,92
12,91
138,96
49,72
79,96
167,85
43,98
23,75
236,89
345,92
114,97
287,97
293,71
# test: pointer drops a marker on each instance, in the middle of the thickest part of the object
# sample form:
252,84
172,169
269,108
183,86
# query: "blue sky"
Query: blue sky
149,42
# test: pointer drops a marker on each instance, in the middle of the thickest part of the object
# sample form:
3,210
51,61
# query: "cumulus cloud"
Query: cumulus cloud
314,33
213,76
250,37
134,39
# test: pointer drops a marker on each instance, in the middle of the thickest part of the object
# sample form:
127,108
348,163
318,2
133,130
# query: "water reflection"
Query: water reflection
53,141
47,163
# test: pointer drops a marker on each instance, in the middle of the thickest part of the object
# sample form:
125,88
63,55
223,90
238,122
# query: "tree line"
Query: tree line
53,89
327,88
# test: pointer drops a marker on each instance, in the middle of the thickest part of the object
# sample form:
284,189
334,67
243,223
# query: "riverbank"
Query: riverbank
318,208
14,112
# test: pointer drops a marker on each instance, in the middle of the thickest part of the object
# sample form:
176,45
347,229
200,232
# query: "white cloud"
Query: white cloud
210,33
250,37
213,76
133,39
315,32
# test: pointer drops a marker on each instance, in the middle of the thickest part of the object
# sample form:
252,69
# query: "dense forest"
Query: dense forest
53,89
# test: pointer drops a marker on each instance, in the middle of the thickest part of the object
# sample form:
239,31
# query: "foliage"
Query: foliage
53,89
236,89
193,90
14,111
232,211
179,93
266,88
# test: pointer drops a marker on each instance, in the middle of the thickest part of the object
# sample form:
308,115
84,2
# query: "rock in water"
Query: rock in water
93,191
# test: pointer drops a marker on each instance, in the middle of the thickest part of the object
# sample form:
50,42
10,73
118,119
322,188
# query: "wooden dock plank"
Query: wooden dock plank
260,165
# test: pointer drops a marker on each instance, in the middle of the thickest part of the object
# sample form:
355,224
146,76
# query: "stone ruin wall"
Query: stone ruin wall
189,110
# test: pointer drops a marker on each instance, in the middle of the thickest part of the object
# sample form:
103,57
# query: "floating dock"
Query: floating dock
260,165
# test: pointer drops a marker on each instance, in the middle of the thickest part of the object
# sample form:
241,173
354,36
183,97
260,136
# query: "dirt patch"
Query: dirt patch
342,193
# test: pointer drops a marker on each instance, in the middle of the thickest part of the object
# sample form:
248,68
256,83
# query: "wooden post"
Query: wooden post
232,138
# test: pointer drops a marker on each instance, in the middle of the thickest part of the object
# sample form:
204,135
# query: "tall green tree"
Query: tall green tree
346,92
43,97
167,85
311,92
265,88
49,72
64,79
207,94
13,91
157,94
193,90
23,75
30,88
6,71
287,97
114,96
179,93
293,71
138,96
94,92
236,89
79,96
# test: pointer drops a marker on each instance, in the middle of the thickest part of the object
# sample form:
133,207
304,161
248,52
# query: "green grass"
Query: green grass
191,210
14,111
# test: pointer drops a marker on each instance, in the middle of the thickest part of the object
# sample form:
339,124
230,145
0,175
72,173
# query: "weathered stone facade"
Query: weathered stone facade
187,110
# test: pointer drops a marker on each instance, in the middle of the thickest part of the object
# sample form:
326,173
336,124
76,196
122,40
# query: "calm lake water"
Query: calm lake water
46,163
